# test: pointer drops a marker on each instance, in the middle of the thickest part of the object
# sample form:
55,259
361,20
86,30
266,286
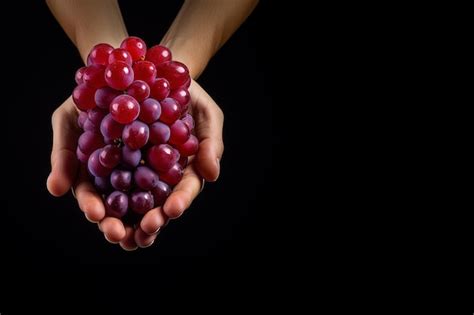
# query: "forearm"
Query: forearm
202,27
89,22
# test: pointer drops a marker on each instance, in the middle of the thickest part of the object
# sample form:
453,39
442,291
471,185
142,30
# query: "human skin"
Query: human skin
199,30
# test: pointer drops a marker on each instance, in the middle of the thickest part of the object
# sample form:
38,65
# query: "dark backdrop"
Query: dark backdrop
218,252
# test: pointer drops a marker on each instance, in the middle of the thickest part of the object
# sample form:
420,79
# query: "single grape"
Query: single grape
83,97
141,201
120,54
139,90
158,54
150,111
160,192
124,109
110,128
179,133
190,147
99,54
159,133
119,75
131,158
189,121
145,71
170,111
110,156
175,72
160,89
81,119
116,204
135,135
145,178
102,184
94,76
95,167
81,156
173,175
135,46
121,180
183,98
162,157
90,141
79,75
96,115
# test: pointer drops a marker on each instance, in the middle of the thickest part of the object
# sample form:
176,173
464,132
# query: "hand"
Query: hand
67,172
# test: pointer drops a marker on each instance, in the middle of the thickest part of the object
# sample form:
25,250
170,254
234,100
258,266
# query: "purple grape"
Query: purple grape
116,204
90,141
110,128
81,156
110,156
173,175
121,180
89,126
96,115
94,166
81,119
159,133
141,201
162,157
131,158
189,121
145,178
160,192
150,111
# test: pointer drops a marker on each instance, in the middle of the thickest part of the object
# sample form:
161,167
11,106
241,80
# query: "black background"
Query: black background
215,257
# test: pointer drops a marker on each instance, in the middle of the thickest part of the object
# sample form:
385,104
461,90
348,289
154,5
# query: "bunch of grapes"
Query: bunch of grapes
137,130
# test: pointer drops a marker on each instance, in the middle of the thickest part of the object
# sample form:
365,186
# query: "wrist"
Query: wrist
195,57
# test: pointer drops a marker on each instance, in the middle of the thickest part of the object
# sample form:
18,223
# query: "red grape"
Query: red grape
158,54
162,157
145,71
102,184
90,141
121,179
173,175
190,147
83,97
124,109
94,76
160,89
135,135
119,75
189,121
135,46
94,166
139,90
99,54
96,115
81,156
120,54
104,96
170,111
183,98
179,133
79,75
160,192
145,178
81,119
175,72
131,158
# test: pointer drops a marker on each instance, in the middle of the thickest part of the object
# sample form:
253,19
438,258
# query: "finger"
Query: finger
183,194
89,200
64,162
128,242
209,124
144,240
113,228
153,220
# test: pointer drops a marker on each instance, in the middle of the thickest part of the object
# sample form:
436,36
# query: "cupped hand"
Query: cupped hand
67,172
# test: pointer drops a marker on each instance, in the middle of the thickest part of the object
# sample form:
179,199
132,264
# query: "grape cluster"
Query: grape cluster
137,130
